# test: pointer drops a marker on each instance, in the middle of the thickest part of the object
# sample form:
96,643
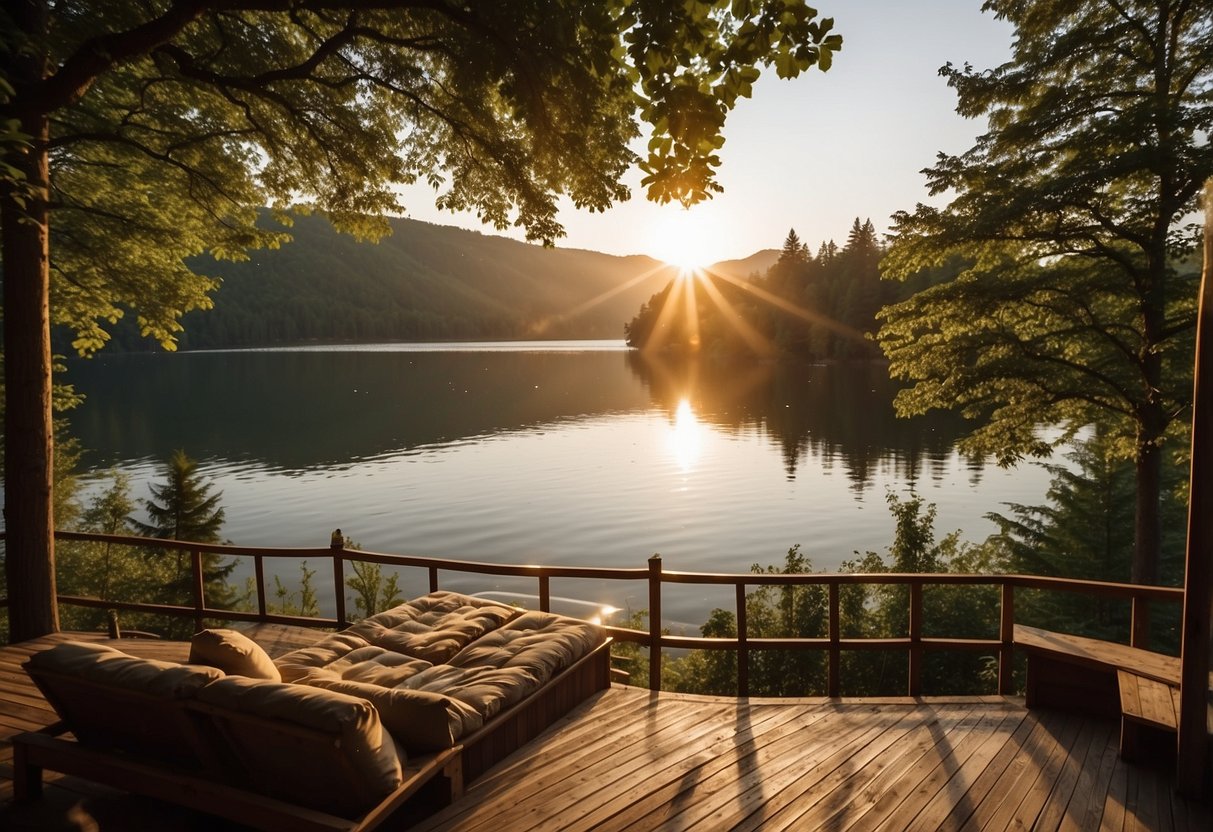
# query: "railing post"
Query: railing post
1139,630
259,577
915,686
433,579
655,622
199,588
545,593
834,668
743,650
1006,634
337,547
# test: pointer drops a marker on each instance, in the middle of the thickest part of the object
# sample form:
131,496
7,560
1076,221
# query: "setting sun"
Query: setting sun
683,239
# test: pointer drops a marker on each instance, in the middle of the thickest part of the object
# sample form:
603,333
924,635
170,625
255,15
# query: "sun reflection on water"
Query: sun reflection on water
686,437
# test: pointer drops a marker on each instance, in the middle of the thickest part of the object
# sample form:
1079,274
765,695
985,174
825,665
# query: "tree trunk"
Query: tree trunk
29,548
1148,537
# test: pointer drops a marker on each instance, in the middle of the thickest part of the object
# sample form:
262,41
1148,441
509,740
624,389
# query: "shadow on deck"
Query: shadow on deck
631,759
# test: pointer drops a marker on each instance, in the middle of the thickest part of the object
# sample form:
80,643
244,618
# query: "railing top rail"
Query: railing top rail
1102,588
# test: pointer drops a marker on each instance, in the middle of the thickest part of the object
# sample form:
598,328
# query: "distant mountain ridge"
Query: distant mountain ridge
424,282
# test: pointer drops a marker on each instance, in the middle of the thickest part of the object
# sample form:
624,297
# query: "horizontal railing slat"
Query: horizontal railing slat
653,574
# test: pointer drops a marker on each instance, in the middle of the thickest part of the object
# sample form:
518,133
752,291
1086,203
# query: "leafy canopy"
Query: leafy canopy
1070,215
171,127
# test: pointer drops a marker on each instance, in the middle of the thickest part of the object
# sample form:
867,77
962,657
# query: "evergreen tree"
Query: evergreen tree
1082,531
183,508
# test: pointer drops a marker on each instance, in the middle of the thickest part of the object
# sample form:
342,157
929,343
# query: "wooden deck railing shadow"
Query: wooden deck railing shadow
915,643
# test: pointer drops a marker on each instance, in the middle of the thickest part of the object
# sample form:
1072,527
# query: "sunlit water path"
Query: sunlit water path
572,453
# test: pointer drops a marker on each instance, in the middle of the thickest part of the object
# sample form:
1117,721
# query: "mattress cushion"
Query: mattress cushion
433,627
420,720
298,663
541,642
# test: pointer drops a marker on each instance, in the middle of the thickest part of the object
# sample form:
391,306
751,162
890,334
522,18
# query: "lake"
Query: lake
581,453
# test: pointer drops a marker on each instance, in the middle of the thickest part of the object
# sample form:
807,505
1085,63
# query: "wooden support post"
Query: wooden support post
743,650
834,670
337,547
27,778
1193,766
545,593
915,682
433,579
1006,634
655,622
199,589
259,577
1139,627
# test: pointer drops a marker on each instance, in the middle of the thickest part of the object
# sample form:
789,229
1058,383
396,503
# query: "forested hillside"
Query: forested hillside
423,282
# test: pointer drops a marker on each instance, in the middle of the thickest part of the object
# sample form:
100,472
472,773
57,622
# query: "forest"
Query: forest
807,305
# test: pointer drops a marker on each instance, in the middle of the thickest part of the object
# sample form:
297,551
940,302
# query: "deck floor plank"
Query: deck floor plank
863,777
775,774
951,805
653,801
628,759
1065,787
850,789
940,765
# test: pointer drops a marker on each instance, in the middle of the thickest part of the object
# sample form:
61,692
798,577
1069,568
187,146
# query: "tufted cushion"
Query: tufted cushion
433,627
234,653
487,690
540,641
420,720
298,663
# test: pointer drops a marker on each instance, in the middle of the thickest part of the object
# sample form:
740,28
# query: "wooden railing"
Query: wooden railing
914,642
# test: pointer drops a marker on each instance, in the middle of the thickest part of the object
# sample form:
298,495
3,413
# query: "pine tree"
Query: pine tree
186,510
182,508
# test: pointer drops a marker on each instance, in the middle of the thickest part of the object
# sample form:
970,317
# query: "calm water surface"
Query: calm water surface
572,453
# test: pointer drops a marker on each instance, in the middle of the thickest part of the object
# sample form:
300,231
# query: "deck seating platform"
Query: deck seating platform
631,759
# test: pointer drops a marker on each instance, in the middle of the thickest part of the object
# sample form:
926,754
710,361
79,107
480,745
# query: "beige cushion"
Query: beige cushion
107,666
487,690
298,663
114,701
433,627
346,765
542,642
419,720
233,653
372,665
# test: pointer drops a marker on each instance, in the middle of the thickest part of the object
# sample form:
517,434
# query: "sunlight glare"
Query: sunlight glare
682,239
686,437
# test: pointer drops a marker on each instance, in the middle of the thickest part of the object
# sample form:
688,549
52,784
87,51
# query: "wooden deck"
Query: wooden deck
631,759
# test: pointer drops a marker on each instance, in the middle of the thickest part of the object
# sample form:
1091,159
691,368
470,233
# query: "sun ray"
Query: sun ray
665,319
759,343
688,281
792,309
539,327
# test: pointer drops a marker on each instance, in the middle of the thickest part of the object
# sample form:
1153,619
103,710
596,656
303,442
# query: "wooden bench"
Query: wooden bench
1076,673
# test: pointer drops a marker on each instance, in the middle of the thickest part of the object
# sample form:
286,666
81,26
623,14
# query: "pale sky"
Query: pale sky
816,152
